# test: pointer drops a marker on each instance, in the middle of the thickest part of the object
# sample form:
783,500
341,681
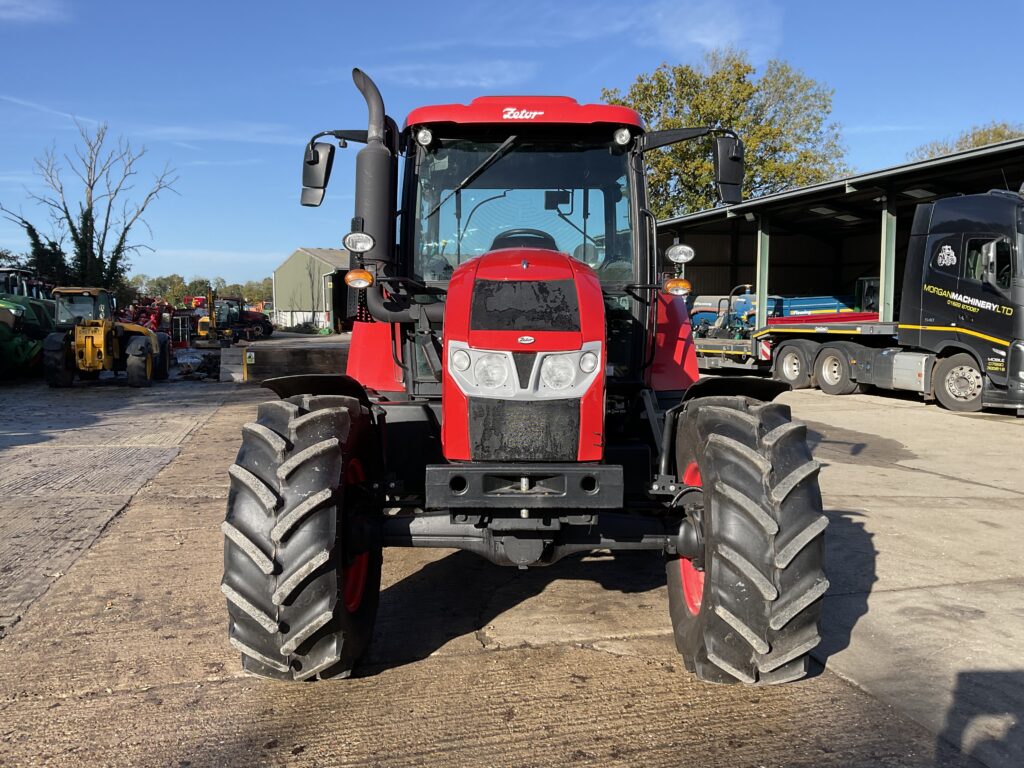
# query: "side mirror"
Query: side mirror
729,169
316,172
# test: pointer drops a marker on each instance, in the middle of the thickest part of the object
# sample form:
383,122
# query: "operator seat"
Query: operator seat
524,238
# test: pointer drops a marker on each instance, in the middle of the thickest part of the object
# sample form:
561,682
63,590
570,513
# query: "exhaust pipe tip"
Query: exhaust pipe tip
374,103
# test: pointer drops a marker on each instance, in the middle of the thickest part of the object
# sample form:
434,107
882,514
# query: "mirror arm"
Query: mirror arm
343,137
656,139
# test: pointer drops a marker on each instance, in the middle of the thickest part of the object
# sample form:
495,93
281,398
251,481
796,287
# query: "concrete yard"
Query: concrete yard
114,652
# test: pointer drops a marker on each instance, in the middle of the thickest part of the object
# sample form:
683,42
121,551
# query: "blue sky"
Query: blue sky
227,92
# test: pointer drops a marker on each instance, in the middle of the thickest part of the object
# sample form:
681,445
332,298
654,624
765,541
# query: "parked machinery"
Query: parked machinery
89,340
505,398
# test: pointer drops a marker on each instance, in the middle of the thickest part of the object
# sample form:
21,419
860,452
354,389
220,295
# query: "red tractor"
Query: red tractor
521,384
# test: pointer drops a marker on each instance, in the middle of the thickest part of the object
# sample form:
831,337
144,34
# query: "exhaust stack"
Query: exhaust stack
374,176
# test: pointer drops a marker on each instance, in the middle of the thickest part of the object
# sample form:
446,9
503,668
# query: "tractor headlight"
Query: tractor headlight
588,362
358,242
558,371
679,254
460,360
491,371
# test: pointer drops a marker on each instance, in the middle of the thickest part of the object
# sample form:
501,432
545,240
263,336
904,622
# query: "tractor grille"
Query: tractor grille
524,430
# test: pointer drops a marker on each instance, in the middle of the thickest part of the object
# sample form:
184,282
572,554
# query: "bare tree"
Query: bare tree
89,199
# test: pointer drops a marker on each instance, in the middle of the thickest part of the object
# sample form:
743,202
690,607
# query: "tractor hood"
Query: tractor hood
524,298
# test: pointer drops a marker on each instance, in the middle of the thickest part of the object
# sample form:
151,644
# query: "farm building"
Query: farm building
305,285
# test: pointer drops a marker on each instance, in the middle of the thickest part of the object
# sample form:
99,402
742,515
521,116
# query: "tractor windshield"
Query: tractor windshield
75,305
572,197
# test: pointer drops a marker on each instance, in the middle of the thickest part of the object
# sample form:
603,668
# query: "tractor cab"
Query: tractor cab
83,305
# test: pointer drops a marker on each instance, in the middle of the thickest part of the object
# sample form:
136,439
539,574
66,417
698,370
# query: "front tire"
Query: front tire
59,366
302,549
959,383
140,369
749,611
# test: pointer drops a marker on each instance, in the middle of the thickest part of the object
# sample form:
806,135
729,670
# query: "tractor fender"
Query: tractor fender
55,341
736,386
138,346
317,384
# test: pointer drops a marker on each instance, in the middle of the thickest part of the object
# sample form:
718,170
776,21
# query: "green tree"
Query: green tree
782,116
170,288
89,201
197,286
977,136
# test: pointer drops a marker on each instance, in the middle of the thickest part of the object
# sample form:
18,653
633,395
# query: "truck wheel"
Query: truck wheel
59,367
747,609
140,369
302,548
268,329
959,383
792,367
832,372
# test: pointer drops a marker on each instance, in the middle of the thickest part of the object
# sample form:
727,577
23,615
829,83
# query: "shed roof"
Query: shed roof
972,170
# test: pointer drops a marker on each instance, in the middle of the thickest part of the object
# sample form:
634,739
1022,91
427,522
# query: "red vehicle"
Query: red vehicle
521,384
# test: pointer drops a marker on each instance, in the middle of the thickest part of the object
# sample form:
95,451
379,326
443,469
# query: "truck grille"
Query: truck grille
524,430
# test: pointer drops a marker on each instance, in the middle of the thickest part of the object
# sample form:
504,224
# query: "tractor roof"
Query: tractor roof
85,291
525,109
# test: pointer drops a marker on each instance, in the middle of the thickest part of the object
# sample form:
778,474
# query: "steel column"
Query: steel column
887,262
761,276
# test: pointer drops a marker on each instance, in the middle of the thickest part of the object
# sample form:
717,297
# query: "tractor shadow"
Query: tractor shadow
986,719
461,594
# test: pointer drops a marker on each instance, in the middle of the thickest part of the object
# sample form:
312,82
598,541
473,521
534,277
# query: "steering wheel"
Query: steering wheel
524,238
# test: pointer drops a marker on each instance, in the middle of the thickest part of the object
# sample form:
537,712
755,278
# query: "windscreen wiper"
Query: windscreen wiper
490,160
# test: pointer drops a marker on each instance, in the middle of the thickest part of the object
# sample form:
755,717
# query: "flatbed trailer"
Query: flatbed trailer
959,337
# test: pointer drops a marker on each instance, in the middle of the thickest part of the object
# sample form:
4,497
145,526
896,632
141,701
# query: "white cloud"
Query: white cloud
498,73
246,132
33,11
684,27
44,108
679,27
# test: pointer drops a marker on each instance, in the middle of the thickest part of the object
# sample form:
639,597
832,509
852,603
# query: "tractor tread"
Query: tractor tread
764,543
746,632
248,546
298,637
721,663
297,513
785,611
782,655
277,444
267,498
253,653
306,456
784,487
749,507
260,617
287,519
748,569
784,556
286,587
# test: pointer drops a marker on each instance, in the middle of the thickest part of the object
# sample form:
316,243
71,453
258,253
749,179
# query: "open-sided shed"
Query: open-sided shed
820,239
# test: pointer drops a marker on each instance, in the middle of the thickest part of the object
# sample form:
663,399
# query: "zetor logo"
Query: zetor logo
511,113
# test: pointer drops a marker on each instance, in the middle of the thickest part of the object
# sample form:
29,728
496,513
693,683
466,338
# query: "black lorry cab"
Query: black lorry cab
967,252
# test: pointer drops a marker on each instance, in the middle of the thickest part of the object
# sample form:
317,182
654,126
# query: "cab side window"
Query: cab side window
980,250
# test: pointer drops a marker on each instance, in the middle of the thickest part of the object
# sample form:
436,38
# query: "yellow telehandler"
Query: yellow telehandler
90,339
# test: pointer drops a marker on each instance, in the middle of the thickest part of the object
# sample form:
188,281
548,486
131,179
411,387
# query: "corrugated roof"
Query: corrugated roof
850,183
334,257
